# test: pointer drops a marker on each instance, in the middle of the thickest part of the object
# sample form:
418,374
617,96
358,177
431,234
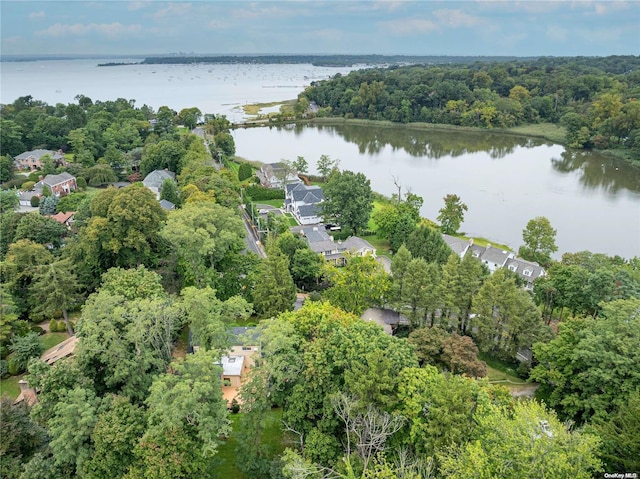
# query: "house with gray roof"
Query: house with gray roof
458,245
154,180
491,256
32,160
61,184
529,271
274,175
304,202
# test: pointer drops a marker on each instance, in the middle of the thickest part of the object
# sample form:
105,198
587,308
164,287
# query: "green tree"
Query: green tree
588,354
204,236
124,344
419,290
301,165
209,317
539,239
451,215
245,171
526,442
620,434
71,427
8,201
506,317
21,438
274,290
133,284
115,435
25,348
399,264
48,205
306,268
360,283
169,191
348,200
324,166
187,416
55,288
40,229
7,168
427,243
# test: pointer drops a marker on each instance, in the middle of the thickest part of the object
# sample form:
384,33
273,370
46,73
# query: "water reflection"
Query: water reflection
372,140
594,170
598,171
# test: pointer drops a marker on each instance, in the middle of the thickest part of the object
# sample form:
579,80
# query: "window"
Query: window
527,272
246,348
513,267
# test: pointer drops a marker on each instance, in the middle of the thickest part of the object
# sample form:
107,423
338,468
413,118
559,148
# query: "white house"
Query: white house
529,271
491,256
154,180
304,202
274,175
320,242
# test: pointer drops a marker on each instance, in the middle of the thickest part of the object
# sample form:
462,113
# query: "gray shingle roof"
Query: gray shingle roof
458,245
314,235
52,180
313,193
241,336
167,205
495,255
156,177
520,265
305,211
356,243
39,154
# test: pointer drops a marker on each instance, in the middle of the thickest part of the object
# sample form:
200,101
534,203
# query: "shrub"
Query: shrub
3,352
27,185
53,326
14,368
24,348
260,193
17,183
81,182
4,368
245,171
235,407
35,201
34,328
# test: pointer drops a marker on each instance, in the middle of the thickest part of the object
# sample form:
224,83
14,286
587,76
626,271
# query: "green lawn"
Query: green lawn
225,461
274,203
500,371
49,340
10,386
292,220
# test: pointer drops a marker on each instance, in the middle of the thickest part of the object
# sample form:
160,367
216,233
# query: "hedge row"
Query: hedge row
260,193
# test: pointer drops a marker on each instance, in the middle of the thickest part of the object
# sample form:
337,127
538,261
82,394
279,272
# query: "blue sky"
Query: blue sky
339,26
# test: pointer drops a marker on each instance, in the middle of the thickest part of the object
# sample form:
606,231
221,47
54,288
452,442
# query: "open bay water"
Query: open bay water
592,200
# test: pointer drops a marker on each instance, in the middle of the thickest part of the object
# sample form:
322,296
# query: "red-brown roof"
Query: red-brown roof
63,217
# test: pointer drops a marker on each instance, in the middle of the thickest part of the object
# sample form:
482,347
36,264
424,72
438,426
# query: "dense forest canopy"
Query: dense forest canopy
329,394
595,99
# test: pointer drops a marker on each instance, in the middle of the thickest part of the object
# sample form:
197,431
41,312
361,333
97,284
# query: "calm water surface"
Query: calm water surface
593,201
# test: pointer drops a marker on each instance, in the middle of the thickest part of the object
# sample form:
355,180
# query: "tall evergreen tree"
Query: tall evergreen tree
274,291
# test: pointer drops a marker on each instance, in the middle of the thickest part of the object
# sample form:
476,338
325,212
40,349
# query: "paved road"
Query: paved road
251,237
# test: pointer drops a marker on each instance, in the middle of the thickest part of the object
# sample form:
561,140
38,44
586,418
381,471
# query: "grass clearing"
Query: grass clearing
274,203
500,371
272,437
549,131
10,386
49,340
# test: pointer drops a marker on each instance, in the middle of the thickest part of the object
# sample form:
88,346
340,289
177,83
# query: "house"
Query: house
491,256
304,202
274,175
60,185
529,271
167,205
495,258
66,219
25,196
387,319
320,242
32,160
60,351
237,364
458,245
154,180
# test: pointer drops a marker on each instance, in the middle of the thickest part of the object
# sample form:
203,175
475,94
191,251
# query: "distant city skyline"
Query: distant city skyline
490,28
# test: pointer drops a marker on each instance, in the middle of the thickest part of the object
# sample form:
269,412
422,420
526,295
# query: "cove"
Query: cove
592,200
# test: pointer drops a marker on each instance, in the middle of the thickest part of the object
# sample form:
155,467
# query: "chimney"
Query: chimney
40,178
24,386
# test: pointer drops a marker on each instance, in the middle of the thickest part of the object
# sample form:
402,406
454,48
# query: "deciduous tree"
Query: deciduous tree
451,215
349,200
274,290
539,239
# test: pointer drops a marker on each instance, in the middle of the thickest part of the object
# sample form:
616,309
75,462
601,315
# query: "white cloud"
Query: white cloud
79,29
173,10
408,26
34,15
456,18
